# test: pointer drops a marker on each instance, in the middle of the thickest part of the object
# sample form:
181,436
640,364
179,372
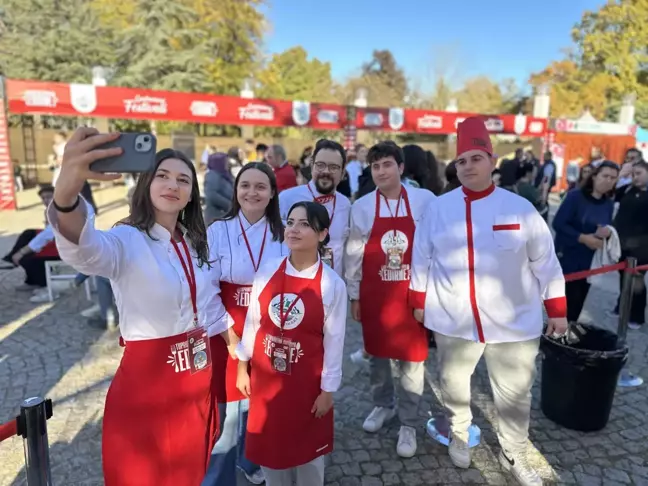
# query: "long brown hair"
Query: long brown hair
142,212
272,213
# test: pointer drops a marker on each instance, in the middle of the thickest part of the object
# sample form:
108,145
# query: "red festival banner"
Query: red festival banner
132,103
7,183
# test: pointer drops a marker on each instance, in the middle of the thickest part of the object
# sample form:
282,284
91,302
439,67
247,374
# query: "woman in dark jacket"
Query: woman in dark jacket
631,224
219,187
580,226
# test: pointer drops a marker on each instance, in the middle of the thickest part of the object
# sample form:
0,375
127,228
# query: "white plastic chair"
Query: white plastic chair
58,271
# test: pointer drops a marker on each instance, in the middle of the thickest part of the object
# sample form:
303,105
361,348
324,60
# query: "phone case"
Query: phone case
138,154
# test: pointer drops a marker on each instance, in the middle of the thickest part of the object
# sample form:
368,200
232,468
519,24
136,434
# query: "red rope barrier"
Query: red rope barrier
596,271
8,430
640,268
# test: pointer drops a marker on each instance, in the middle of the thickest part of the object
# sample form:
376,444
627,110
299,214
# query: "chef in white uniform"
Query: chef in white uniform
484,264
329,161
250,234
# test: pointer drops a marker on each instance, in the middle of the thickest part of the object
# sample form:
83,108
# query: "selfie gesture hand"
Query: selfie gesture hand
81,151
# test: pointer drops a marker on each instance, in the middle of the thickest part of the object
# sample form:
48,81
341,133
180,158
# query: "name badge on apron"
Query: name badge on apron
394,258
199,350
327,256
280,356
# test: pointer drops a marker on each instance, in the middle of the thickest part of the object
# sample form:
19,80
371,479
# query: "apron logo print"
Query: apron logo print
296,315
242,296
394,244
179,357
294,349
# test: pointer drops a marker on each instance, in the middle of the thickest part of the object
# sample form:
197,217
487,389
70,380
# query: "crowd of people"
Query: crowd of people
233,316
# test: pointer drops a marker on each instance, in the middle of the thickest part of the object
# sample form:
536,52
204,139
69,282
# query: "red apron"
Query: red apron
236,299
389,329
49,250
282,431
159,426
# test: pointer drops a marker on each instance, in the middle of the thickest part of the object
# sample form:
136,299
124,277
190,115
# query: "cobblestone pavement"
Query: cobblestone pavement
46,349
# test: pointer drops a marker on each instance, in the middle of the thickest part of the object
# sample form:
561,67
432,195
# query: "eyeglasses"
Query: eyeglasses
321,166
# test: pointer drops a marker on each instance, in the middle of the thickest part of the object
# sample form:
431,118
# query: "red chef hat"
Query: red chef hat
473,135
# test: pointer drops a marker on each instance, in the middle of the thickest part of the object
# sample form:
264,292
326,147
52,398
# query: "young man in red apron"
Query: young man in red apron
378,258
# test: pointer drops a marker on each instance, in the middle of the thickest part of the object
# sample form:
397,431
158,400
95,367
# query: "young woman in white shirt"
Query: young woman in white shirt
294,339
159,424
250,234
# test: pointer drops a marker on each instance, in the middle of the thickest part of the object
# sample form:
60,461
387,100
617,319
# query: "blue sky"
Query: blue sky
462,38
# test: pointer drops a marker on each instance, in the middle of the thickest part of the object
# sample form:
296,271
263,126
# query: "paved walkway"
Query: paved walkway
47,350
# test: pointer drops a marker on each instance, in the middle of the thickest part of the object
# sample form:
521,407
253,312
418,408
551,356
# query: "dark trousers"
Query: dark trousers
576,293
638,306
33,264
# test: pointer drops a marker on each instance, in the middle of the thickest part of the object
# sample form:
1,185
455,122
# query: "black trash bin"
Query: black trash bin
579,379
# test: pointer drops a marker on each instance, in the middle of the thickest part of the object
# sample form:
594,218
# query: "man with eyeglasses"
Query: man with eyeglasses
329,160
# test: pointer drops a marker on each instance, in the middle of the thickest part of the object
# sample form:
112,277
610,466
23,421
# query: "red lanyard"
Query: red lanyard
249,248
392,215
283,316
189,274
322,200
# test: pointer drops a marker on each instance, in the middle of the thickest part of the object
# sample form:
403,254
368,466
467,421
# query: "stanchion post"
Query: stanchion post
625,301
32,426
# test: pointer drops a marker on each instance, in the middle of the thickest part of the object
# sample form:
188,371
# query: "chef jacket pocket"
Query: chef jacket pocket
507,233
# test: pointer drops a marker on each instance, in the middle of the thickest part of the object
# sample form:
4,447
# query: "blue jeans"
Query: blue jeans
229,450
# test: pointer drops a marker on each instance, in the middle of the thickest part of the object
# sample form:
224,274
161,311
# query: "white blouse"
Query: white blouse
339,230
147,278
230,254
334,301
363,214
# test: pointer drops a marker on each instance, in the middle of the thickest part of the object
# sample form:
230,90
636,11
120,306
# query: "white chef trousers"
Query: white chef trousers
511,370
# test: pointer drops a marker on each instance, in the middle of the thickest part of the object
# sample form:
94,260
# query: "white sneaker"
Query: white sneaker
459,453
519,467
91,311
634,326
256,478
406,442
358,357
41,296
377,418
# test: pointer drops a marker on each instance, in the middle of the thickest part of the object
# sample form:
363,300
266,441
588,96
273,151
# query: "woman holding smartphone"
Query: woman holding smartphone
294,339
158,426
250,234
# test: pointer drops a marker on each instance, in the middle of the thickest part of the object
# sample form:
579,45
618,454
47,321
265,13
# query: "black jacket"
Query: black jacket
631,224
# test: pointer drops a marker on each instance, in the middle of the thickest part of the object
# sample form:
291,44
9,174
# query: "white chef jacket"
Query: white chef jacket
148,281
339,230
229,251
363,214
493,278
334,302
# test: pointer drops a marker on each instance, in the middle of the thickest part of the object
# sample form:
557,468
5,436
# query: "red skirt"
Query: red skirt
159,426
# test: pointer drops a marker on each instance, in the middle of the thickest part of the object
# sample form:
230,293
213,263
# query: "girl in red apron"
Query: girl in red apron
378,259
294,339
249,235
159,423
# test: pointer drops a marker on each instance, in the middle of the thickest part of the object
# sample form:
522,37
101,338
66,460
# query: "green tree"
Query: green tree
52,40
291,75
384,80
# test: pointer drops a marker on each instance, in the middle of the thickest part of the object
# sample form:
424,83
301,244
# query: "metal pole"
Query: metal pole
626,379
32,426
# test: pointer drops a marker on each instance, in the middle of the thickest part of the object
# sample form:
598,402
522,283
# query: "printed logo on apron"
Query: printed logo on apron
242,296
293,319
179,357
394,244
